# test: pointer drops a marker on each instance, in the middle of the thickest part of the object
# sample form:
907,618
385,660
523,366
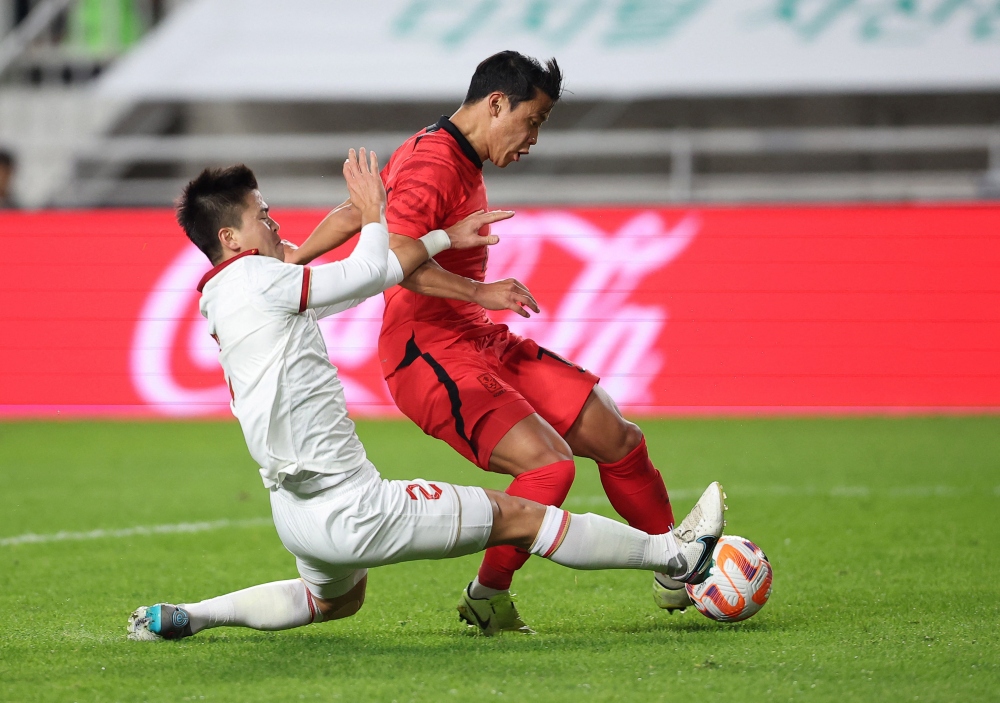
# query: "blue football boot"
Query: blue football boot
160,621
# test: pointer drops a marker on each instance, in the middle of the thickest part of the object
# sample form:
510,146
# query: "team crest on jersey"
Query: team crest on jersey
491,384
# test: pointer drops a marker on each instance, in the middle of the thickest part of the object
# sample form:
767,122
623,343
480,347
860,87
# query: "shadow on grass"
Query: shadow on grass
338,655
688,625
373,639
565,638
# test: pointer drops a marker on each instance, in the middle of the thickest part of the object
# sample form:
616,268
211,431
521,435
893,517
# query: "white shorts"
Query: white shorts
366,521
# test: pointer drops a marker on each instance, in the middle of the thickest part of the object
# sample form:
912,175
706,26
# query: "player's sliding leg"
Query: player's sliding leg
530,443
595,542
279,605
633,485
447,521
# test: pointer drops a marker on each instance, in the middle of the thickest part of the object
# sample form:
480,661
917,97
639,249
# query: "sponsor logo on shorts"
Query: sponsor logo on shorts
414,488
491,384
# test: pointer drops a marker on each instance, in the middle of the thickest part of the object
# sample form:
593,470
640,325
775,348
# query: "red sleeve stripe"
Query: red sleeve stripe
304,297
563,529
312,605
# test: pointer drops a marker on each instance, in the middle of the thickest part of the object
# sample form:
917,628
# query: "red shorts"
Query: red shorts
471,392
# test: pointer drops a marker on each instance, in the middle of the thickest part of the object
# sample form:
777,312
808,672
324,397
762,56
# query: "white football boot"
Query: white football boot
697,536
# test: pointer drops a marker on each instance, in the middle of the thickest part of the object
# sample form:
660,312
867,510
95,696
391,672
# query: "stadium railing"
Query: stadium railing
102,163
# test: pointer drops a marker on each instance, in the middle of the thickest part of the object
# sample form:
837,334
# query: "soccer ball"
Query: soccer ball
738,583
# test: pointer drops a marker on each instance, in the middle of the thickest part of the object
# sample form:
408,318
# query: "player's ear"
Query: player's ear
227,238
496,102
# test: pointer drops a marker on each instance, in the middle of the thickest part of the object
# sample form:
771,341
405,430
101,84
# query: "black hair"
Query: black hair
7,159
515,75
213,200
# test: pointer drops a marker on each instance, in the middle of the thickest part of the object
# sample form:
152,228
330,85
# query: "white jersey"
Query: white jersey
331,508
285,391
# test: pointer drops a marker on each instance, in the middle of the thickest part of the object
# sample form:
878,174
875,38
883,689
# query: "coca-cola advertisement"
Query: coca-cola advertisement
679,311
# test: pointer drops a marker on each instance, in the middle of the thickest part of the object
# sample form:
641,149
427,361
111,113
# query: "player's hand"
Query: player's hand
365,185
508,294
465,234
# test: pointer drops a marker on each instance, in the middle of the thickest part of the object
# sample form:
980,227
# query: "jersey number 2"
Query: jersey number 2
415,488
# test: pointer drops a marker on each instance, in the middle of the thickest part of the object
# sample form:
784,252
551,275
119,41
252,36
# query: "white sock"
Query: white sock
479,591
594,542
279,605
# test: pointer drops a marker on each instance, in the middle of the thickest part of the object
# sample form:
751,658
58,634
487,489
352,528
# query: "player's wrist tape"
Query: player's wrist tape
435,242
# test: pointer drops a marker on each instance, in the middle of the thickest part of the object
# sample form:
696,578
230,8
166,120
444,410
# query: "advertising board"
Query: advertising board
680,311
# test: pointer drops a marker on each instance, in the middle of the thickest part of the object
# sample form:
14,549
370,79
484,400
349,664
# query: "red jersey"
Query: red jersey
433,180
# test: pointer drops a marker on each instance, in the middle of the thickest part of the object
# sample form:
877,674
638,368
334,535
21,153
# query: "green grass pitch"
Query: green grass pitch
884,535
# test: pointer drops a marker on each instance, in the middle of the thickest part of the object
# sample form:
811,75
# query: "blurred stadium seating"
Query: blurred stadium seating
862,130
810,148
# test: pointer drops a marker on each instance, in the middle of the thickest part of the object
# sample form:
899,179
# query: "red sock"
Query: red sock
636,491
547,485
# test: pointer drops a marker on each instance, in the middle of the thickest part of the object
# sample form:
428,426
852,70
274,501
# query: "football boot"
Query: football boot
670,595
697,536
492,615
160,621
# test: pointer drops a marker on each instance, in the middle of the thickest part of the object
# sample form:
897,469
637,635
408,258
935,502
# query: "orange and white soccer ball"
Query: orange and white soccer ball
738,583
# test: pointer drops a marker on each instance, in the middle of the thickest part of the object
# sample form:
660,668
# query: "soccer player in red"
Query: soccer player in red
502,401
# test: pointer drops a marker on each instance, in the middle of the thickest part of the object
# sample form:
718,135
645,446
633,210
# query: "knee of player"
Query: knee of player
630,436
339,609
342,606
619,443
353,607
552,453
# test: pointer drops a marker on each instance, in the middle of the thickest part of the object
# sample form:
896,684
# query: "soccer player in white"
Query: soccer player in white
331,508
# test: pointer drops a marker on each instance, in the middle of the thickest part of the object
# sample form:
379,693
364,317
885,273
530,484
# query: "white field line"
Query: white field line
180,527
571,502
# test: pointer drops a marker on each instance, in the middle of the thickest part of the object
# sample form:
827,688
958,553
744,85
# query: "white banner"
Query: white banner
428,49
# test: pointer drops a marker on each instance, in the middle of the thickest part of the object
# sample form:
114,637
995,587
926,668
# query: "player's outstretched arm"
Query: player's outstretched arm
412,253
508,294
465,234
339,225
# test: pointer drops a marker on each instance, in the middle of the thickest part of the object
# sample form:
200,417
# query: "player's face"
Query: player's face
514,131
257,230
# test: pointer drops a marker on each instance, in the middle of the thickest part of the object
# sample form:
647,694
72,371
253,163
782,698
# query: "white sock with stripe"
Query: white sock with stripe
279,605
595,542
480,592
